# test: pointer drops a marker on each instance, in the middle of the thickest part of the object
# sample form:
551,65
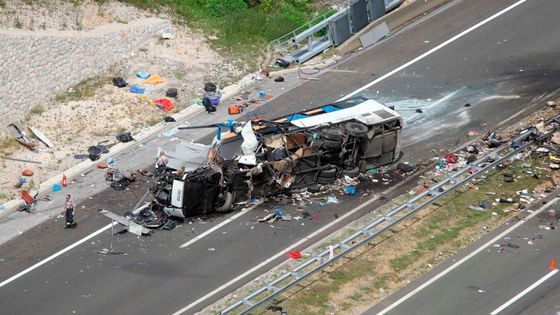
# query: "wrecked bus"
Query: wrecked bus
256,159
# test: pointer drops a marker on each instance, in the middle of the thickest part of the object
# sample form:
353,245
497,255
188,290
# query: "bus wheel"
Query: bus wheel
356,129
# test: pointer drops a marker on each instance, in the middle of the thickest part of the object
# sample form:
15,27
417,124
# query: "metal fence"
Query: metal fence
330,29
388,220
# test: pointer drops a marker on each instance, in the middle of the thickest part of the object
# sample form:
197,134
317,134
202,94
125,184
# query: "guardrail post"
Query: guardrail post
376,9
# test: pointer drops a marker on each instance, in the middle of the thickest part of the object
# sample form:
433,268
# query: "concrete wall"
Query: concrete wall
36,66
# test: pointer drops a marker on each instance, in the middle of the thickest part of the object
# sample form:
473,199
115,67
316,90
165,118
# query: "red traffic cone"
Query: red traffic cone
64,180
553,264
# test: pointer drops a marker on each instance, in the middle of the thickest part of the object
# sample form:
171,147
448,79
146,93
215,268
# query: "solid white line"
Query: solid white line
469,256
53,256
522,293
237,215
264,263
431,51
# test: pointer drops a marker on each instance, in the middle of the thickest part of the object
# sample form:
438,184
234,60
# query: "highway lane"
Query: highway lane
487,282
156,276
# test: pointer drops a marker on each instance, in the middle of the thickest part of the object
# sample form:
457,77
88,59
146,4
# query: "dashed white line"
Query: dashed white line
233,217
522,293
264,263
433,50
464,259
53,256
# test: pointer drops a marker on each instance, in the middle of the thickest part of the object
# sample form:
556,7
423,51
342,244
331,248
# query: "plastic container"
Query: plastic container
262,94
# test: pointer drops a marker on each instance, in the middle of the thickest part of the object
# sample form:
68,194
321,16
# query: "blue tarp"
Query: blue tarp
330,108
137,90
142,75
296,117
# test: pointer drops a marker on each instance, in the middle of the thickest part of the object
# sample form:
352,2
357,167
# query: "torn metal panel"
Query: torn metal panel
189,155
263,158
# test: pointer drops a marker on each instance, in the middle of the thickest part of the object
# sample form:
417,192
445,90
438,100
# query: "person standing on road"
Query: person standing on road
161,163
69,207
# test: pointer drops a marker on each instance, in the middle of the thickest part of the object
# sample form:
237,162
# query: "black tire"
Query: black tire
332,134
332,144
314,188
351,172
228,203
356,129
325,181
328,173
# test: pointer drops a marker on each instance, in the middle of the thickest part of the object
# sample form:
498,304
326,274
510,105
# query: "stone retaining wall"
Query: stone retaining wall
36,66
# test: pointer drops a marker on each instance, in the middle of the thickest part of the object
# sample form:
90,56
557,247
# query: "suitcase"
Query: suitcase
234,109
172,92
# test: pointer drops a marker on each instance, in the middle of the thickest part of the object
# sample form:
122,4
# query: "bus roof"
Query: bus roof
368,112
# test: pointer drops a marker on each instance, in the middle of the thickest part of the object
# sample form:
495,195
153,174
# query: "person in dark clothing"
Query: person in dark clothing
69,208
208,105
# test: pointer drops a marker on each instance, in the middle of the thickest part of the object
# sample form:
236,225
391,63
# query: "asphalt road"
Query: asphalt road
499,69
494,276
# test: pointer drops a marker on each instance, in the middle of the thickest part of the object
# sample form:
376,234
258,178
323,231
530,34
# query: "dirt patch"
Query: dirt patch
95,110
65,15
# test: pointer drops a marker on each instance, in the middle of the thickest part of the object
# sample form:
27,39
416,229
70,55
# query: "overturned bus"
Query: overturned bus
256,159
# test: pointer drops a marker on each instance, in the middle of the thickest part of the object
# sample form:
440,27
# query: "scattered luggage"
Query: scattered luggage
234,109
172,92
119,82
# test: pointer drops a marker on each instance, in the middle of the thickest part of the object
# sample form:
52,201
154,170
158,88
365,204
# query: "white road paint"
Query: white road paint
279,254
433,50
429,52
383,77
466,258
499,97
53,256
522,293
233,217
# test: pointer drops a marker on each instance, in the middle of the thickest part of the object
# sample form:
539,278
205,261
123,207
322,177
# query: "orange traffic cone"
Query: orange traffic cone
553,264
64,180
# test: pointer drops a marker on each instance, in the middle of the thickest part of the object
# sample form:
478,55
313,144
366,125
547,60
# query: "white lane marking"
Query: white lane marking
431,51
53,256
237,215
282,252
522,293
469,256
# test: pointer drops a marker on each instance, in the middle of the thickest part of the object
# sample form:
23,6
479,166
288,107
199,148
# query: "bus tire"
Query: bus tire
332,144
356,129
351,172
228,202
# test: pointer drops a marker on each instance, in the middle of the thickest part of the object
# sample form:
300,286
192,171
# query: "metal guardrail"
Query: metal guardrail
337,28
387,221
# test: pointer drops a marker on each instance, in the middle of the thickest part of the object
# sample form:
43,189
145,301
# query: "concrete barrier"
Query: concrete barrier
395,19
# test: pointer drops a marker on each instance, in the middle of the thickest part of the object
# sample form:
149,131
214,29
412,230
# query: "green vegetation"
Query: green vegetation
83,90
442,229
8,145
240,26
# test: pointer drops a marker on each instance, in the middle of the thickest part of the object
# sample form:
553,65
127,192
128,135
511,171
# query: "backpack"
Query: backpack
119,82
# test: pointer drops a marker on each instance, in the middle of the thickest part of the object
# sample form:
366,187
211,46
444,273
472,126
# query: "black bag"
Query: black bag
119,82
169,119
172,92
125,137
210,87
282,63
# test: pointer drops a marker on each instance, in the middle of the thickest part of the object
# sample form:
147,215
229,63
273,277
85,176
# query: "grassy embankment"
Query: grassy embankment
242,28
403,254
